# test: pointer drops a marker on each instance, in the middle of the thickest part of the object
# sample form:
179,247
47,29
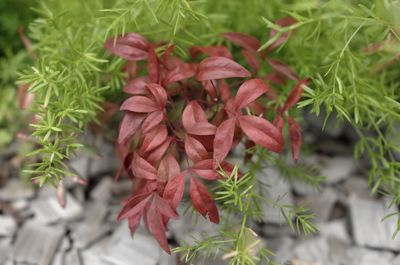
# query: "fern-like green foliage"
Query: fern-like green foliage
351,51
241,198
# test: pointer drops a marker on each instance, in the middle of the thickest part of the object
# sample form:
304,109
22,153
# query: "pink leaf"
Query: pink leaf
193,113
210,87
262,132
278,123
195,121
295,138
139,104
155,155
156,226
167,54
294,95
182,72
165,208
137,86
143,169
134,221
223,140
154,138
160,95
174,189
205,169
129,125
202,200
251,60
194,149
152,120
168,168
213,68
131,47
282,68
221,51
282,22
243,40
202,128
249,91
134,206
153,66
224,90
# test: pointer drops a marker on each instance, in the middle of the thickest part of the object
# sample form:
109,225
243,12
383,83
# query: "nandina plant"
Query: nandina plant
183,118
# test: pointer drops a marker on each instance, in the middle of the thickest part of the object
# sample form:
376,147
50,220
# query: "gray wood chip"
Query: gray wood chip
368,228
16,189
48,210
36,244
7,225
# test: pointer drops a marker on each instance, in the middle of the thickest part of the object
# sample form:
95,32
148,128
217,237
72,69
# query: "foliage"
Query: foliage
348,49
13,59
14,14
240,195
185,111
354,74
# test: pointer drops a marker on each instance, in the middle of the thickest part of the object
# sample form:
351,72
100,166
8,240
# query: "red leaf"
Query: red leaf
224,90
206,140
143,169
156,226
252,60
134,221
137,86
282,68
195,121
202,200
174,189
205,169
218,68
283,22
295,138
276,78
155,155
249,91
167,54
130,69
160,95
165,208
153,66
194,149
129,125
294,95
182,72
262,132
202,128
168,168
210,51
154,138
134,206
278,123
152,120
223,140
132,47
209,86
139,104
193,113
243,40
